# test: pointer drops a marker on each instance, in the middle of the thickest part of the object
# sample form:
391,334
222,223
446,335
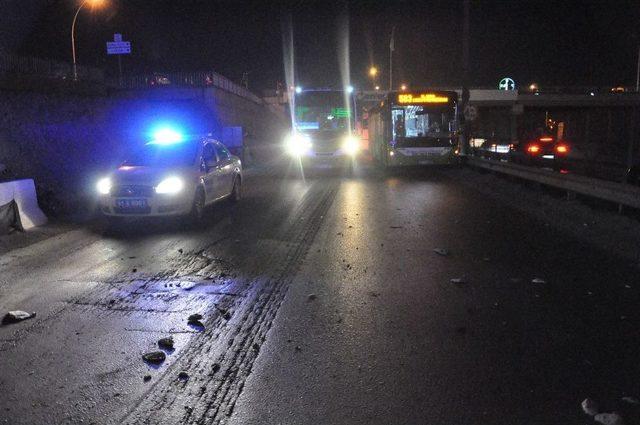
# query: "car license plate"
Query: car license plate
131,203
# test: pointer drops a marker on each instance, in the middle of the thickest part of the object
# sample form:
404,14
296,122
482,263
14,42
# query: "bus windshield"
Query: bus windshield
322,110
413,121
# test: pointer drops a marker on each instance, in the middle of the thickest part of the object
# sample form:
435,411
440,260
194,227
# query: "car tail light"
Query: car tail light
534,149
562,149
546,139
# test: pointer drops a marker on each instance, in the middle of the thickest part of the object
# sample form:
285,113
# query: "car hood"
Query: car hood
147,175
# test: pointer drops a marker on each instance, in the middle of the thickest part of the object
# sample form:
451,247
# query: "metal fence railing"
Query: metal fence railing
46,68
184,79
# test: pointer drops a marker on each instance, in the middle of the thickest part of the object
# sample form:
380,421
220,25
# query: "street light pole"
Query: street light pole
73,40
391,49
638,72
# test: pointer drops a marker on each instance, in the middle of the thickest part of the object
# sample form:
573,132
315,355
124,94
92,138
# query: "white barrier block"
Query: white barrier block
24,193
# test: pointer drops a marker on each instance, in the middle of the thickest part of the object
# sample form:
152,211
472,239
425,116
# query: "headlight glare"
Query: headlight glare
351,145
170,185
297,144
104,186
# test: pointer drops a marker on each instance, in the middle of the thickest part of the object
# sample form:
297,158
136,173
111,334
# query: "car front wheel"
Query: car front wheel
197,208
236,192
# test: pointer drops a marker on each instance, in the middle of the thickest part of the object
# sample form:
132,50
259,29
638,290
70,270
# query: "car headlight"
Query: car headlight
297,144
351,145
104,186
170,185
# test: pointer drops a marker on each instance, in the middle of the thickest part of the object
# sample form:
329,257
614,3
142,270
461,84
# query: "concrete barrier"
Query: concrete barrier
24,193
619,193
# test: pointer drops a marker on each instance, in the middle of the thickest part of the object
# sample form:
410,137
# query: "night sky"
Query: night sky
549,42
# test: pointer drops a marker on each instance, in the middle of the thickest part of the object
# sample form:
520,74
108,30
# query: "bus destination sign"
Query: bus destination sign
412,99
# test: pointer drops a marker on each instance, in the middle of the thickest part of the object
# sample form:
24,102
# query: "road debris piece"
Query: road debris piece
458,280
155,357
134,270
441,251
298,348
180,250
166,343
631,400
312,297
196,317
538,280
17,316
146,378
590,407
609,419
195,320
183,376
215,367
396,227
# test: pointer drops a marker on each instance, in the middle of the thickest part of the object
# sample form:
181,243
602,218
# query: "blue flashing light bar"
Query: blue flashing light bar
166,136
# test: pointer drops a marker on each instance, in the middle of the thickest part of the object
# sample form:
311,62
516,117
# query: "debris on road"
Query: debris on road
441,251
458,280
166,343
255,346
631,400
195,317
17,316
155,357
396,227
195,320
590,407
609,419
312,297
538,280
134,270
146,378
180,250
215,367
297,348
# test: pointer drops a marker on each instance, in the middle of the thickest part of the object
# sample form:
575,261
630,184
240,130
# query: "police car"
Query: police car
171,176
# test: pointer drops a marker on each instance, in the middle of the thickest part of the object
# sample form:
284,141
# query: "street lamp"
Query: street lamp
403,87
373,72
93,4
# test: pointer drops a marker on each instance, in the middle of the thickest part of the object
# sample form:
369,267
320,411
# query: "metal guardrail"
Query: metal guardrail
185,79
619,193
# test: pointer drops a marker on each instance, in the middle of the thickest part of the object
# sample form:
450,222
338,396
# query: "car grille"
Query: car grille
132,191
326,145
141,210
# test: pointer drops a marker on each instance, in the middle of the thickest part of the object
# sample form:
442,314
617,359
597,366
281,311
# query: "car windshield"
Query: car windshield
154,155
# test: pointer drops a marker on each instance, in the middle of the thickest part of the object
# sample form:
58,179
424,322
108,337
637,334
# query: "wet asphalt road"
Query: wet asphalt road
323,302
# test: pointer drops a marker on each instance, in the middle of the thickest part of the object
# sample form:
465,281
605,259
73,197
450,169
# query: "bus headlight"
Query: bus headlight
104,186
297,144
170,185
351,145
